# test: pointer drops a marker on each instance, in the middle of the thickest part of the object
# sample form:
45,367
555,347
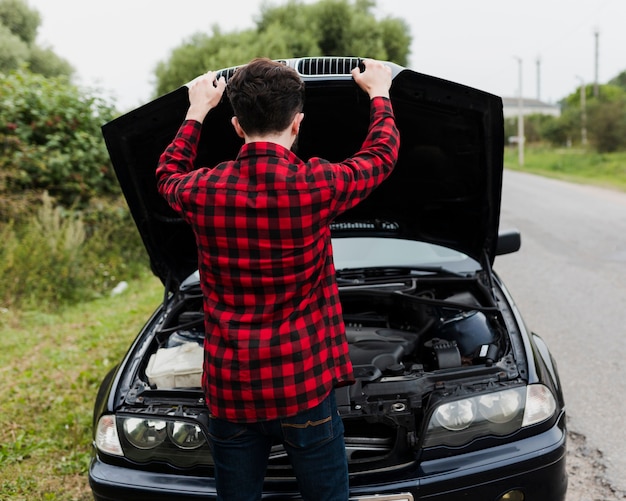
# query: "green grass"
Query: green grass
51,365
571,164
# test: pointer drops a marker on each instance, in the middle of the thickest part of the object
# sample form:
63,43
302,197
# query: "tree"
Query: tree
13,50
295,29
605,115
607,119
538,127
619,80
45,62
607,128
562,130
22,21
18,32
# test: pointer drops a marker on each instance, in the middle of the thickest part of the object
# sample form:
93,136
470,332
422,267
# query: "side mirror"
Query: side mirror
509,241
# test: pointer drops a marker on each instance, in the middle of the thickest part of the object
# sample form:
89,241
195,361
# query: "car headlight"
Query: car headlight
500,407
178,440
185,435
145,433
498,413
456,416
107,440
540,404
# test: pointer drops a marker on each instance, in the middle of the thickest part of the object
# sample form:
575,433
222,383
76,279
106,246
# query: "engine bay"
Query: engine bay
438,325
412,341
394,329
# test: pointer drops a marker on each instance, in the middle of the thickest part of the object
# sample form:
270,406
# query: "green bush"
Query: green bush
113,250
607,125
58,256
50,139
67,235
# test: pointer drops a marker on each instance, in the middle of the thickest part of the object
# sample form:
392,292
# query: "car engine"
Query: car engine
410,339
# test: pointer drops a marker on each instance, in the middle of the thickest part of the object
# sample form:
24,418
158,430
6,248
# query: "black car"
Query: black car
454,398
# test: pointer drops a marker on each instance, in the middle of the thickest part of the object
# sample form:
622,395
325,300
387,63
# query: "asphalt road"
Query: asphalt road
569,282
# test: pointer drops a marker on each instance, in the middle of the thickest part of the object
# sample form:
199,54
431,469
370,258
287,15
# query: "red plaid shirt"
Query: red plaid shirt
275,341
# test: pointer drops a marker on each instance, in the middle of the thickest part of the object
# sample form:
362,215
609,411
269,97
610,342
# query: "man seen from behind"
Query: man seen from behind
275,344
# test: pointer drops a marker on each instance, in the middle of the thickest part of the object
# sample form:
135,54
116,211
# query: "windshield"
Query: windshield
393,252
367,252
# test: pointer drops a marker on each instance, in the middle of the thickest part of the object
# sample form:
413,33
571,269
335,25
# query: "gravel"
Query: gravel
586,471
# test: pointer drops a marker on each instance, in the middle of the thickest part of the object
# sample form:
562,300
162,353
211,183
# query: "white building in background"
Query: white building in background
529,107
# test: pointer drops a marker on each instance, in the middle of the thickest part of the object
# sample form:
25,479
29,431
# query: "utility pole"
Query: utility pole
520,115
596,90
538,78
583,111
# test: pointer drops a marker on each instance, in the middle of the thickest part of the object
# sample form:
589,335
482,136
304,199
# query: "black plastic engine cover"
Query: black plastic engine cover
381,348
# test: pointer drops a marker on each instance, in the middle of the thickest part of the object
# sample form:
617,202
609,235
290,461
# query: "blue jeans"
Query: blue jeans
312,439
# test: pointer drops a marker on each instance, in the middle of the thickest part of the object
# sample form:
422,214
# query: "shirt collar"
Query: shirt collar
266,149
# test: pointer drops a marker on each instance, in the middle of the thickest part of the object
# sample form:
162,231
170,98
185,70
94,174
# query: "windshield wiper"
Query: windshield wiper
359,275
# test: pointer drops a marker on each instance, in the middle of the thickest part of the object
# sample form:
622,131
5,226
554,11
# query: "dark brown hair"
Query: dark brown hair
265,96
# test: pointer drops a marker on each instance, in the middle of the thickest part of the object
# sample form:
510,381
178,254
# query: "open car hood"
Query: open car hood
445,189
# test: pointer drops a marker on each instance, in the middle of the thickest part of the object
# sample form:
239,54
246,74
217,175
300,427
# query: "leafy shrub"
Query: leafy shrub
113,250
607,124
59,256
38,261
536,127
50,139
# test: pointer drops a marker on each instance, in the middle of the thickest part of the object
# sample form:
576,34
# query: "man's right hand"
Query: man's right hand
375,80
205,93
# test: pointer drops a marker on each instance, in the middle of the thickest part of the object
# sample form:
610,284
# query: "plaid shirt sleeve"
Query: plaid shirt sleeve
177,162
275,342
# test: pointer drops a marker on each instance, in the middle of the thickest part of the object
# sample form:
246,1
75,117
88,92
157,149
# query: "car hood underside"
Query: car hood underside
445,188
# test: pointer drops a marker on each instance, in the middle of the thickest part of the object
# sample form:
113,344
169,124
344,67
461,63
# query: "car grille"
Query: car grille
369,448
226,73
311,66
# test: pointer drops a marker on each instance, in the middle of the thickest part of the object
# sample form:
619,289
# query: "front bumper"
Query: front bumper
534,465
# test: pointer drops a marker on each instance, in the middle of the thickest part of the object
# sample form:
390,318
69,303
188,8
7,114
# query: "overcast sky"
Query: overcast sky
114,45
